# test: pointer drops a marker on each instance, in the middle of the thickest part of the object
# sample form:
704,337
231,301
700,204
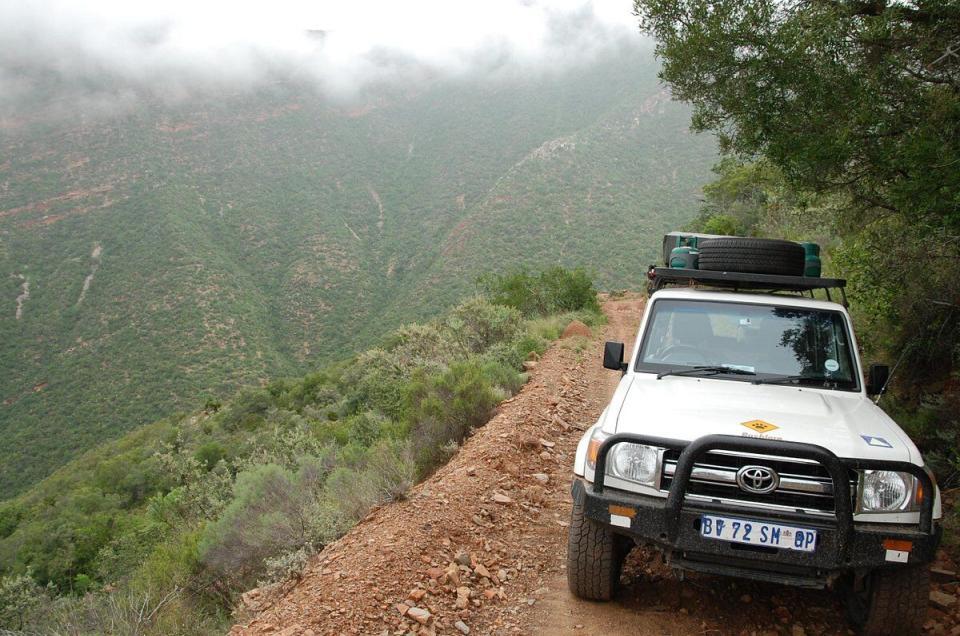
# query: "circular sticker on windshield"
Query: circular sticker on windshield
831,365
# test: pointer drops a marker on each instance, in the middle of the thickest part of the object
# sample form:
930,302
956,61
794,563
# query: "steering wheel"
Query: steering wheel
681,349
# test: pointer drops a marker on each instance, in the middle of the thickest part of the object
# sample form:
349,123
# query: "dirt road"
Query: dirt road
481,545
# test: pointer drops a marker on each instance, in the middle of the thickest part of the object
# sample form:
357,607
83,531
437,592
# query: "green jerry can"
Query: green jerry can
684,258
811,262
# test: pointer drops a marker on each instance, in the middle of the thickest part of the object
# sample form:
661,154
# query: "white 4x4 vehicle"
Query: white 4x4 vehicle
741,441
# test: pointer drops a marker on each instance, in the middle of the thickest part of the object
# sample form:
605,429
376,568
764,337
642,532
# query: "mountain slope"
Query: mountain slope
599,196
153,259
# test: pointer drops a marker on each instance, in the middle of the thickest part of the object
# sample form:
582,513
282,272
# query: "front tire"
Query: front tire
890,602
594,558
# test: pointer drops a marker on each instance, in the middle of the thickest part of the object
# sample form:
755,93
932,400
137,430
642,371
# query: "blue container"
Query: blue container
684,258
811,261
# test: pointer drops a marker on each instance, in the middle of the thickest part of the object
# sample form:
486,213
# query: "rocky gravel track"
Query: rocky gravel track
480,546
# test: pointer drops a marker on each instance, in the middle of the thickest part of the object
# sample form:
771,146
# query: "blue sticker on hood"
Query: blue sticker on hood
879,442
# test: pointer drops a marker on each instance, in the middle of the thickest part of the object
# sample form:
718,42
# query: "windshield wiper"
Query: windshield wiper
791,379
706,369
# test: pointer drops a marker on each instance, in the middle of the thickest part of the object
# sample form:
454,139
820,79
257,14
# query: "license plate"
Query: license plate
773,535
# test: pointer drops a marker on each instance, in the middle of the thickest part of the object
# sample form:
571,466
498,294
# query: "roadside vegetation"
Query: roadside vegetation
160,531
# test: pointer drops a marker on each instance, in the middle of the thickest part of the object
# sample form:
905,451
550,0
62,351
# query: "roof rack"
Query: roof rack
661,277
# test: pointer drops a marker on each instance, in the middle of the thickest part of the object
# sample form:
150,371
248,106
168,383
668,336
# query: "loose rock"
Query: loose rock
420,615
943,575
529,442
452,574
942,600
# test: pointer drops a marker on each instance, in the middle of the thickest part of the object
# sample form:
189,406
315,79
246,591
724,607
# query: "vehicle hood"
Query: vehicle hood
685,408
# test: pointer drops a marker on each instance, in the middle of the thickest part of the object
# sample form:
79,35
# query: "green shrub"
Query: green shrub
530,343
391,469
419,345
349,495
171,563
133,476
366,428
568,290
721,224
19,594
553,290
10,514
133,541
444,407
385,473
164,612
82,584
477,325
284,567
210,454
274,511
247,410
376,380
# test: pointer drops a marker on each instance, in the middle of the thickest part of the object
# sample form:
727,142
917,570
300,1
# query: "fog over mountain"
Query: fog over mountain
73,57
196,197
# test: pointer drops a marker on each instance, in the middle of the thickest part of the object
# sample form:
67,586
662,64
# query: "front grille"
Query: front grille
805,485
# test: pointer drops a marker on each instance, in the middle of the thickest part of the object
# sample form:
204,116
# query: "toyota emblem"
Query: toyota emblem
758,480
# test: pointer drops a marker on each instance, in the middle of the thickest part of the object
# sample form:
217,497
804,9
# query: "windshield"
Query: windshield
809,346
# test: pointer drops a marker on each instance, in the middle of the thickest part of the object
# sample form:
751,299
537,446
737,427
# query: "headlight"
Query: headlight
637,463
887,491
634,462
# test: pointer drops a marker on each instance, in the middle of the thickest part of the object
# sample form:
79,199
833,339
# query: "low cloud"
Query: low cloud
106,54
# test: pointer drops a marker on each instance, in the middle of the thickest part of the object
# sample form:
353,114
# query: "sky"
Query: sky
174,47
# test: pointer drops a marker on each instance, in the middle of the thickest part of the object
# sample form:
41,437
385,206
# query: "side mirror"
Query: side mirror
613,356
877,377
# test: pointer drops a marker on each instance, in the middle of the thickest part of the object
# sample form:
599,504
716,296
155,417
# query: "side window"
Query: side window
843,353
658,335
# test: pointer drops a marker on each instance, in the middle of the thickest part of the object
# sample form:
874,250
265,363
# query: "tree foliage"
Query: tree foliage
19,594
859,97
845,115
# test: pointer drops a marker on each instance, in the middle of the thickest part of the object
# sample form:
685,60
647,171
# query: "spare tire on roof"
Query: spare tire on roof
752,255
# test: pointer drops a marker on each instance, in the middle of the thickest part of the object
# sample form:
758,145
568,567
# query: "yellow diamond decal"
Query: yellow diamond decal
760,426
